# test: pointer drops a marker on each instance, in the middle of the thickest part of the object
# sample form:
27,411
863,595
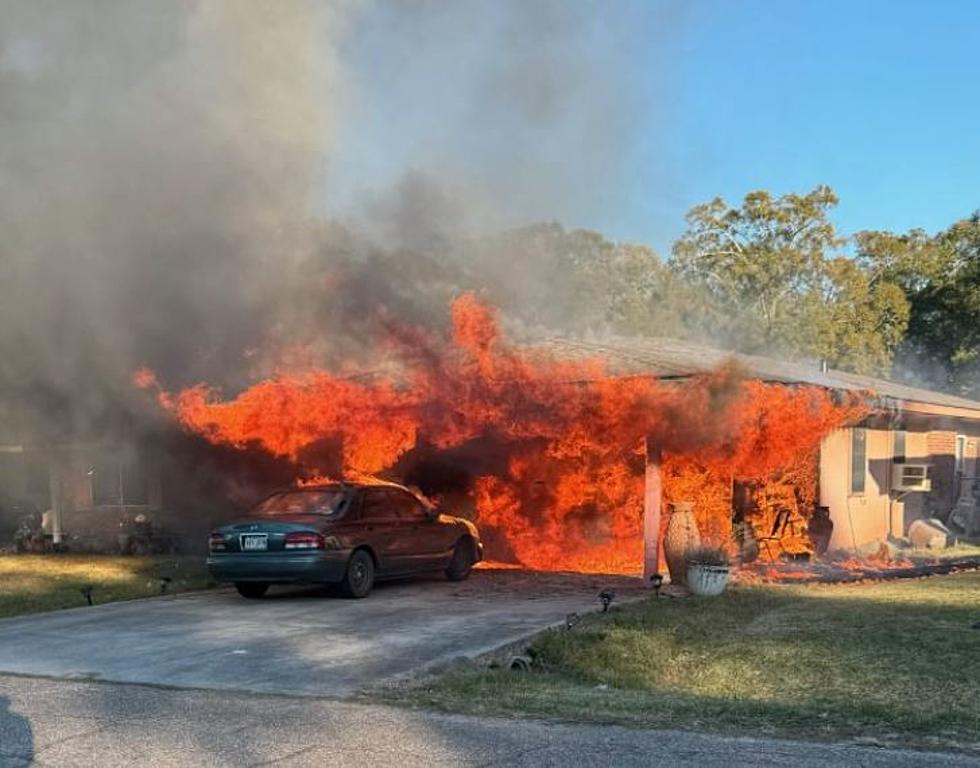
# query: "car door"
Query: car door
422,547
382,531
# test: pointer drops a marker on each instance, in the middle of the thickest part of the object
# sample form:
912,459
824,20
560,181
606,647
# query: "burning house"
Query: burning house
913,455
564,451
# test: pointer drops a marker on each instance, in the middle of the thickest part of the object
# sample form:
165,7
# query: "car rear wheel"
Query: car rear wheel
359,577
251,589
462,561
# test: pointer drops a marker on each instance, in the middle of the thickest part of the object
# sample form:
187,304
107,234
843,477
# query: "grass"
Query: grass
956,552
33,583
894,663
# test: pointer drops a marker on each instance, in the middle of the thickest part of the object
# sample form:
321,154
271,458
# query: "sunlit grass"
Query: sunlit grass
956,552
893,661
32,583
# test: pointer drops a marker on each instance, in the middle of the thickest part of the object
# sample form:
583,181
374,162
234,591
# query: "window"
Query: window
899,448
117,477
330,503
134,484
960,453
859,460
406,507
376,505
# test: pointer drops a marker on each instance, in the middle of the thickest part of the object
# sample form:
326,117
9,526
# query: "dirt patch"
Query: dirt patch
542,585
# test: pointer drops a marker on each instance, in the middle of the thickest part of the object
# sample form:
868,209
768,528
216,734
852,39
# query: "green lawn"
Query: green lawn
32,583
956,552
896,663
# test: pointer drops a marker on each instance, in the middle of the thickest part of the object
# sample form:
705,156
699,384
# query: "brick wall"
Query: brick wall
942,456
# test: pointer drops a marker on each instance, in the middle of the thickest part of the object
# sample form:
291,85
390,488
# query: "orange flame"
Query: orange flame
552,450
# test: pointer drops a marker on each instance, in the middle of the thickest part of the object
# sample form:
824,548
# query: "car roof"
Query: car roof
347,486
355,486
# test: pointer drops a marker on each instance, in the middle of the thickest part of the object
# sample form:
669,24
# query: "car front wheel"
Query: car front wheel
359,577
251,589
462,561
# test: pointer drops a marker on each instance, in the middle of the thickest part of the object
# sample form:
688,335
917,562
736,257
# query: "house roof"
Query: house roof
674,358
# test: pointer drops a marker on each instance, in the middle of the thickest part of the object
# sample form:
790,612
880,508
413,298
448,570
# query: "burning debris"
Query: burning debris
545,453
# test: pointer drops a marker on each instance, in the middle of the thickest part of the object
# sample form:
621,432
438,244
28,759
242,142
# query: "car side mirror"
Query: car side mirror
431,513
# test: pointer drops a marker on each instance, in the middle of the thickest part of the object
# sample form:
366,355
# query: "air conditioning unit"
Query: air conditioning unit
911,477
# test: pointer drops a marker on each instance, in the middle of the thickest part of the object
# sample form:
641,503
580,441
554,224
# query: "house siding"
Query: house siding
863,518
860,520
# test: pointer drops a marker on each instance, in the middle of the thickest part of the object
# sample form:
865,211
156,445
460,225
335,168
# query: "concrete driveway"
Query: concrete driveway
296,641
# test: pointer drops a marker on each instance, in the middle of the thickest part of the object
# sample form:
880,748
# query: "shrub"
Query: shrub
708,556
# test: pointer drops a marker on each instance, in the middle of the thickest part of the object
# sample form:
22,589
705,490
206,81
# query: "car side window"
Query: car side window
376,505
406,507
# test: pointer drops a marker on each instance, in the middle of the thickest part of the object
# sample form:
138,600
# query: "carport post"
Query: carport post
652,502
54,488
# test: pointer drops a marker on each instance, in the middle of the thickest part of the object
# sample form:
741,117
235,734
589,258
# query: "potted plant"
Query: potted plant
708,571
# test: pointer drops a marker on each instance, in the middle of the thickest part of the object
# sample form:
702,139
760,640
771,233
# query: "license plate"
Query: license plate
254,542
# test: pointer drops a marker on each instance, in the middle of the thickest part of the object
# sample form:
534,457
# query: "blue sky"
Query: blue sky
878,100
696,99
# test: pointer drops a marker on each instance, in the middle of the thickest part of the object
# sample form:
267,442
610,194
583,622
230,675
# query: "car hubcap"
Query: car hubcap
359,574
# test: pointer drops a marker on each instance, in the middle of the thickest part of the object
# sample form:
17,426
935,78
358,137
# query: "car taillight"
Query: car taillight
216,543
304,540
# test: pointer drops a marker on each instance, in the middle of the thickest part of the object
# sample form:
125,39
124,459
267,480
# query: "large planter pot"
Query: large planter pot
707,580
682,536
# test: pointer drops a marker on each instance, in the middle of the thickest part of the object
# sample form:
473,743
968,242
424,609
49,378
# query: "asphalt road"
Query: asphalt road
70,723
297,642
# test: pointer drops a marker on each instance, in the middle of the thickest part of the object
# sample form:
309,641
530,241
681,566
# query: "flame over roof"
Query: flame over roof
668,358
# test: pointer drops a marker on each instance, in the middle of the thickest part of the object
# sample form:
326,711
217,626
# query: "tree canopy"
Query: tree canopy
771,275
940,276
777,268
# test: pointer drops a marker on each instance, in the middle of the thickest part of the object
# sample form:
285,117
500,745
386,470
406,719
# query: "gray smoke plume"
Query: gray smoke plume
499,114
172,174
158,169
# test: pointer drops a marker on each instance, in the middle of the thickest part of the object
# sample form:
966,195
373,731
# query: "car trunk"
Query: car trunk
271,531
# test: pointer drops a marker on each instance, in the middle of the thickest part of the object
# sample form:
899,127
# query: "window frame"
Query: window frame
417,514
343,506
387,515
899,458
959,455
852,475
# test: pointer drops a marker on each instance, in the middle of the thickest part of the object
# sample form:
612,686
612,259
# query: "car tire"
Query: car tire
253,590
359,576
461,563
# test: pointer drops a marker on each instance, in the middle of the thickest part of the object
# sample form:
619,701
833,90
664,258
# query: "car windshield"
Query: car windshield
328,502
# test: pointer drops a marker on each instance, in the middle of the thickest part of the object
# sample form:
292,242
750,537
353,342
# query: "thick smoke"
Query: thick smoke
158,170
216,189
470,116
213,189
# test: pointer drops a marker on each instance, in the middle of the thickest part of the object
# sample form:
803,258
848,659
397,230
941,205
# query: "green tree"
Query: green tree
863,318
776,268
941,278
579,281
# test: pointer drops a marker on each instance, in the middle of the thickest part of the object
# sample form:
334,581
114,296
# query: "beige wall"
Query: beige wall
861,519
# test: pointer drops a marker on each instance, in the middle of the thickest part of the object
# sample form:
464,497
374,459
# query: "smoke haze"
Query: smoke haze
172,175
